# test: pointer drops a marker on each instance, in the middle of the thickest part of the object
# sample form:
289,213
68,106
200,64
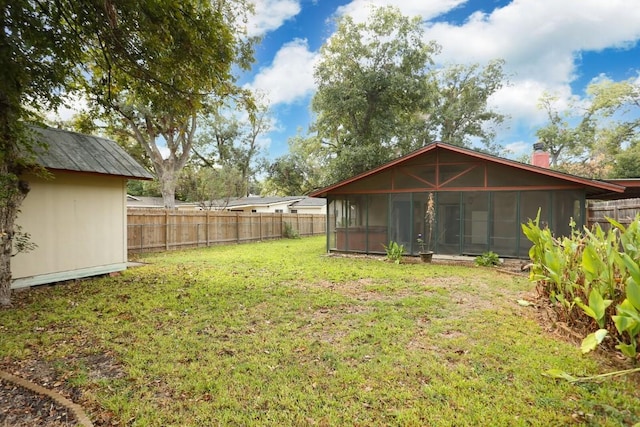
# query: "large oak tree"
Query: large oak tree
154,63
173,65
370,79
380,96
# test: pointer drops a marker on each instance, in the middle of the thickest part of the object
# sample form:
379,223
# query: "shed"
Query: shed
480,202
77,217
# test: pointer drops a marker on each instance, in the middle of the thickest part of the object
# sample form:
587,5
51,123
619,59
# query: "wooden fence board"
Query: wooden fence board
623,211
160,229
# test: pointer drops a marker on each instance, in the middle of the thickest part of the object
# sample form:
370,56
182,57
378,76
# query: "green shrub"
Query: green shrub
394,251
488,259
289,232
590,281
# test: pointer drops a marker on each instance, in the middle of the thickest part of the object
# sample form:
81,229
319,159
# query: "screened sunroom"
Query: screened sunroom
479,203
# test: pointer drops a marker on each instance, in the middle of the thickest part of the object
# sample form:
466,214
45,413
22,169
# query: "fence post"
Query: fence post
260,227
207,228
166,229
141,238
237,227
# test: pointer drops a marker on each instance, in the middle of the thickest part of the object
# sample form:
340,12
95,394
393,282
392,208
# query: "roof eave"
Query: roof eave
601,185
140,178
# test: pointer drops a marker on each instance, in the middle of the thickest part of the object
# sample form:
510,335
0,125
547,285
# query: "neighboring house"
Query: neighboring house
147,202
309,205
289,204
256,204
77,217
480,202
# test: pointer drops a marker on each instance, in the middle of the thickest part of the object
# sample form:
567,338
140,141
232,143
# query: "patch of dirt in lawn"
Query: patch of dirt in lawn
361,290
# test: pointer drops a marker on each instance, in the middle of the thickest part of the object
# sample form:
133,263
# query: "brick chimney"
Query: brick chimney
540,157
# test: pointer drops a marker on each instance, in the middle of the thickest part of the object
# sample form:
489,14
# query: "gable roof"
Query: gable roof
310,202
594,187
262,201
76,152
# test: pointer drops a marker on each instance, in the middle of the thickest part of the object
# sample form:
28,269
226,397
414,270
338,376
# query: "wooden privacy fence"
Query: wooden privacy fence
160,229
624,211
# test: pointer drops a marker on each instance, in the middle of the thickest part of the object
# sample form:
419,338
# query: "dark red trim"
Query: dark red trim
422,189
603,186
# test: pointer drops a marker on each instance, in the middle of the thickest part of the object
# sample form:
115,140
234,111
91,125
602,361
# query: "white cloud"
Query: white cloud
289,78
540,39
518,148
520,100
541,42
271,14
164,151
73,104
359,9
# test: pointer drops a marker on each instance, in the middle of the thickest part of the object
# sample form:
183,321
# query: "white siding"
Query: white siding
316,210
272,208
78,222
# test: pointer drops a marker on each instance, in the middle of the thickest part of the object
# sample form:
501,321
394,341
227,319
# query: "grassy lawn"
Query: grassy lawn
279,333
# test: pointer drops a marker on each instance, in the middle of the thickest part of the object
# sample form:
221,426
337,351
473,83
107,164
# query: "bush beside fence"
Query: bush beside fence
160,229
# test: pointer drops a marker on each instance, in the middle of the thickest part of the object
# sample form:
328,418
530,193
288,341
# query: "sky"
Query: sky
553,46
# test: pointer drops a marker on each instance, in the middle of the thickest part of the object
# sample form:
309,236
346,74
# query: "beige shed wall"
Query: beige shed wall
78,222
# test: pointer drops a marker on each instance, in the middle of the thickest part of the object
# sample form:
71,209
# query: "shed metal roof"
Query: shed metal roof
595,187
72,151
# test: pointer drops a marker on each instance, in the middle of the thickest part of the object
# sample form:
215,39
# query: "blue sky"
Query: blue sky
557,46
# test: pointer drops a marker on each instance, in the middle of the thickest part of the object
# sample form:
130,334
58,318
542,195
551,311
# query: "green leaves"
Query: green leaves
394,251
596,308
588,266
487,259
378,93
633,292
559,374
592,340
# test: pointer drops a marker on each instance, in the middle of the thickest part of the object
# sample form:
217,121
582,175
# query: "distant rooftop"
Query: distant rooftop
310,201
261,201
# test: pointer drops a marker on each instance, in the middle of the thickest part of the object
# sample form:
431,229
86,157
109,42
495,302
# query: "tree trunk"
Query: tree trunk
167,180
5,269
12,193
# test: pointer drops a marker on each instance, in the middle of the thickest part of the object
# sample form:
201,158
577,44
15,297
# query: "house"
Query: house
249,204
288,204
148,202
77,217
309,205
480,202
